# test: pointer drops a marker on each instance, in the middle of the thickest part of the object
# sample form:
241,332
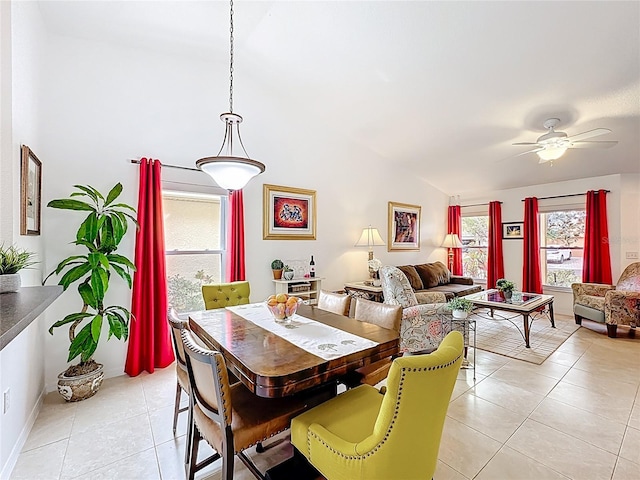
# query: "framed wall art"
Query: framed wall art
30,192
404,227
512,230
289,213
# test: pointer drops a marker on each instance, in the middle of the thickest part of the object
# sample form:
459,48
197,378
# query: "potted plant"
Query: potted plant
460,306
277,266
12,260
99,235
506,287
288,273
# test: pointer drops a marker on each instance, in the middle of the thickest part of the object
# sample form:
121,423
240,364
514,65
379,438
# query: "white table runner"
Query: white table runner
316,338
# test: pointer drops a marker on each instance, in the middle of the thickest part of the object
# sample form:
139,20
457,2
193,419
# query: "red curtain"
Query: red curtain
149,340
531,280
596,264
495,267
235,237
454,225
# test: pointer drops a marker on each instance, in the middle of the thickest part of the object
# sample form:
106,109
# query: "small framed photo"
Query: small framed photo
404,227
30,192
512,230
289,213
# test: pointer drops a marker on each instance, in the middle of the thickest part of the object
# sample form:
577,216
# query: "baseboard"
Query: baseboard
10,464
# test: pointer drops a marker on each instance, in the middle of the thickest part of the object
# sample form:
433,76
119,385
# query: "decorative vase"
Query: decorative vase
507,294
288,275
9,282
460,314
80,387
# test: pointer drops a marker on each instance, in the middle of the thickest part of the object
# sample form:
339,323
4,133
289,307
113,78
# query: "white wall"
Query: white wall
22,361
622,215
105,104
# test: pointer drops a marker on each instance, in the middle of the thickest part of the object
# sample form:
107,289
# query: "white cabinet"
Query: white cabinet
305,288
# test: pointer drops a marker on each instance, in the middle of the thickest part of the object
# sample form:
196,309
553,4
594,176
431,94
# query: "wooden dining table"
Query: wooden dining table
273,367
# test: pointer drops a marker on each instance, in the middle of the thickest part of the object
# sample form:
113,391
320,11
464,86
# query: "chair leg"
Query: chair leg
177,407
228,456
192,445
612,329
578,320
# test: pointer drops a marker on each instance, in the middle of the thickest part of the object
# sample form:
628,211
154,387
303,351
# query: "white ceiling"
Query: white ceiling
442,88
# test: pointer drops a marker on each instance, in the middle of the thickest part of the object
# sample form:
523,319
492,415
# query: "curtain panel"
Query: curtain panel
149,336
454,225
495,260
596,264
531,278
235,238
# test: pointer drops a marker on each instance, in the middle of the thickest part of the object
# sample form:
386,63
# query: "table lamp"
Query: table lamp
370,238
451,241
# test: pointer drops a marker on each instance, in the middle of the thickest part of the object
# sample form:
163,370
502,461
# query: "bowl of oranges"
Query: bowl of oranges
283,306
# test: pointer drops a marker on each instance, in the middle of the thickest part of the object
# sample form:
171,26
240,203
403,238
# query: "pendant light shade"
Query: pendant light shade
230,170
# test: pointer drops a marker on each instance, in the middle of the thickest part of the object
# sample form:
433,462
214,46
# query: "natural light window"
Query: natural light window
194,245
561,247
475,241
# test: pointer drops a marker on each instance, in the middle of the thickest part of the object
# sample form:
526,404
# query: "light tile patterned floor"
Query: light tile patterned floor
575,416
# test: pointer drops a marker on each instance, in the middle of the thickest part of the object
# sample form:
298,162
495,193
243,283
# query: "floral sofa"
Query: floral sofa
423,325
611,304
436,277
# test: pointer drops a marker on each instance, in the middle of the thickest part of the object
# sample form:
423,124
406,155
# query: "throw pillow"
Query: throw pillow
444,275
428,274
412,275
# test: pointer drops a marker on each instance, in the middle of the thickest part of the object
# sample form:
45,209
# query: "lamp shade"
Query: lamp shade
370,238
230,173
451,240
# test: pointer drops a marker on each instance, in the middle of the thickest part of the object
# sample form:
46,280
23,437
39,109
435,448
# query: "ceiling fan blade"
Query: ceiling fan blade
530,151
589,134
593,144
524,143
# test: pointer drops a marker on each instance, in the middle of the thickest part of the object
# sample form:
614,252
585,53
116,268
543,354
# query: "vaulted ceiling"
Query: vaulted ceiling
441,88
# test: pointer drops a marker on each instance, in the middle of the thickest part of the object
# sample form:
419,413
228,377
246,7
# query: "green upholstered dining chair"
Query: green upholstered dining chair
222,295
362,434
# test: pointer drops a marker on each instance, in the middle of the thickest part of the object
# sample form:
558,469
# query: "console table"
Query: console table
305,288
361,290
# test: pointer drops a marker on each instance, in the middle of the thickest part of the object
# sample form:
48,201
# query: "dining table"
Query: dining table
276,359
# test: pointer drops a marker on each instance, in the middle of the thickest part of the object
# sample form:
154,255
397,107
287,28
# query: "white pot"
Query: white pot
460,314
288,275
9,282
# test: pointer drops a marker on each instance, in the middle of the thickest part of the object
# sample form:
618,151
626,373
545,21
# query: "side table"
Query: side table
361,290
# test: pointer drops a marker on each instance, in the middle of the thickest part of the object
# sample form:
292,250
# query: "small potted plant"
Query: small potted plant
276,267
287,273
12,260
506,287
460,306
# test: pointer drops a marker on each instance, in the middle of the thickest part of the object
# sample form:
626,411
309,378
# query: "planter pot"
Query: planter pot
288,275
507,294
277,274
74,389
9,282
459,314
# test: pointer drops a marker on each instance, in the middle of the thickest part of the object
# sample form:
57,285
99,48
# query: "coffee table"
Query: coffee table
521,304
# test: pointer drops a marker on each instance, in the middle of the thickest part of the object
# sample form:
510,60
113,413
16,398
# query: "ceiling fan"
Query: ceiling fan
552,144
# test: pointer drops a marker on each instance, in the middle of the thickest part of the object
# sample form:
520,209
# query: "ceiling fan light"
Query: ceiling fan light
552,153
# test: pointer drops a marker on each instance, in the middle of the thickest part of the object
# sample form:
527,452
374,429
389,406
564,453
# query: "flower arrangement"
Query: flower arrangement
460,303
505,285
374,264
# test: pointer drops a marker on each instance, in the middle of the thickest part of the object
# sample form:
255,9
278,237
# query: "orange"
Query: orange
281,297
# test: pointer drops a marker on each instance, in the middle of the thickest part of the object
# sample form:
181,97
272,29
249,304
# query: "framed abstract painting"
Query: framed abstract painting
289,213
30,192
404,227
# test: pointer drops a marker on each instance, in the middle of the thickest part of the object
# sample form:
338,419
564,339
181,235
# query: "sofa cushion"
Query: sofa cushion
433,274
412,275
455,290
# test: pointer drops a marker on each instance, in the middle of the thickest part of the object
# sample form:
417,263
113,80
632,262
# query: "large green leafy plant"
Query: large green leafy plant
100,234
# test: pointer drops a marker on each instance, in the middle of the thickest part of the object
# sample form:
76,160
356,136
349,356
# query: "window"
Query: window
475,241
194,245
561,247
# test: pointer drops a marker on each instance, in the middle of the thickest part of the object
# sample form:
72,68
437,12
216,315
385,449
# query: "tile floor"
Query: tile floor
575,416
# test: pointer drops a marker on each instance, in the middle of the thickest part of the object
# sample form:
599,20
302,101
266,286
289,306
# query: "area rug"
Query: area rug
503,338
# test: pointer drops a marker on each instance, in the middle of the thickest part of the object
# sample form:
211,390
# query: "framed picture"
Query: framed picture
30,191
289,213
404,227
512,230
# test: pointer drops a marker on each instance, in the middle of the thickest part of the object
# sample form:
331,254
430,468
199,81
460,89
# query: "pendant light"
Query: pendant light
231,171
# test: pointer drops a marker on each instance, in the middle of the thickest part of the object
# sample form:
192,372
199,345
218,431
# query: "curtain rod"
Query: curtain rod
170,166
565,196
477,205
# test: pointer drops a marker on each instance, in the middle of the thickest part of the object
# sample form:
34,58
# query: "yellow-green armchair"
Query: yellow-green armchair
222,295
362,434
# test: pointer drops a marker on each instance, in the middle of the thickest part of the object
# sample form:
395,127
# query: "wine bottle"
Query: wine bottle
312,268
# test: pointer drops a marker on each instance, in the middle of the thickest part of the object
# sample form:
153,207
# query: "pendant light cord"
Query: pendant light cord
231,60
